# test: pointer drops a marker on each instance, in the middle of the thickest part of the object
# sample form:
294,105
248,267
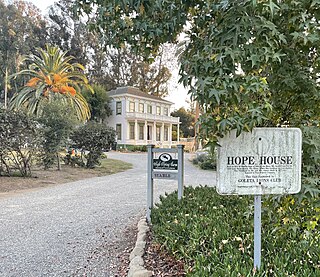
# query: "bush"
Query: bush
206,161
213,235
140,148
94,138
58,121
20,142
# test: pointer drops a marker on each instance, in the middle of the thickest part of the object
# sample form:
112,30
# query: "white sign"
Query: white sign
266,161
164,175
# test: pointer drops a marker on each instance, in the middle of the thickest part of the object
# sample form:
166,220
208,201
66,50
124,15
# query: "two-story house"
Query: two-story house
140,118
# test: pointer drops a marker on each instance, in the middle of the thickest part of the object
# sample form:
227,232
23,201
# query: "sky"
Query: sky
177,93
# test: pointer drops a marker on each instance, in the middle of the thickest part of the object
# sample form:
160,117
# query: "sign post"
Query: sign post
181,171
257,232
266,161
149,182
164,167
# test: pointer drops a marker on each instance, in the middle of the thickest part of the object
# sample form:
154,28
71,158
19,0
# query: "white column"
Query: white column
178,132
154,133
146,131
135,131
170,135
162,134
128,131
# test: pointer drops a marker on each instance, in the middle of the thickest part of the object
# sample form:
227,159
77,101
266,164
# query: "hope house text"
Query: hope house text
262,160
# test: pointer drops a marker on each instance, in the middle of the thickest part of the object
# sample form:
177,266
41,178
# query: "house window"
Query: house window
158,133
141,107
166,133
158,110
166,111
149,109
131,107
118,131
141,131
131,131
118,107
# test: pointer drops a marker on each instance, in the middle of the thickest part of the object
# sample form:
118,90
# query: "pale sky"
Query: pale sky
177,94
42,4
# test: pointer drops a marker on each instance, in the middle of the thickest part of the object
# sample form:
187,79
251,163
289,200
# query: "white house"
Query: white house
140,118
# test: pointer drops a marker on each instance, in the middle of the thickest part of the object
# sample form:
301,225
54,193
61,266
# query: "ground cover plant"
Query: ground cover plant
213,234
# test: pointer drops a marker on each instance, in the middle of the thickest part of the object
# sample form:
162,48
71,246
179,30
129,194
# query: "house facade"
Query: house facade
140,118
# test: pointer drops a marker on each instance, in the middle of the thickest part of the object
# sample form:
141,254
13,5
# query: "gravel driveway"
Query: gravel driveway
75,229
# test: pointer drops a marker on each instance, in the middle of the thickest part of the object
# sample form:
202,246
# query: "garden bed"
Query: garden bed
213,234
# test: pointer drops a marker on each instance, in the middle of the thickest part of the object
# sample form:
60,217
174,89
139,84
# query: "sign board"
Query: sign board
266,161
164,167
165,161
165,175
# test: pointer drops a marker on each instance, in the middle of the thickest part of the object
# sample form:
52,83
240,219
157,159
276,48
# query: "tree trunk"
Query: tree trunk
58,160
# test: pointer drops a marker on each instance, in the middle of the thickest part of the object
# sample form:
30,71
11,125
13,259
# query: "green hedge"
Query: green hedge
213,234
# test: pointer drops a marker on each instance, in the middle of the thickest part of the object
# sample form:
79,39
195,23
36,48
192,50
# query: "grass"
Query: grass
111,166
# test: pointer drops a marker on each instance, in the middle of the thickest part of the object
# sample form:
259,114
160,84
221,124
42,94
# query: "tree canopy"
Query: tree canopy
248,63
187,120
22,30
52,74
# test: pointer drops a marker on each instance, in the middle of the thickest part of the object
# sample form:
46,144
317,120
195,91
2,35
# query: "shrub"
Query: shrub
20,142
213,235
95,138
206,161
58,121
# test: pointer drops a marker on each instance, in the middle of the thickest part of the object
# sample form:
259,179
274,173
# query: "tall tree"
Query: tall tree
52,75
107,66
22,30
69,33
98,103
187,120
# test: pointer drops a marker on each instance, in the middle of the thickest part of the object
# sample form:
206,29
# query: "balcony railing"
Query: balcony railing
152,117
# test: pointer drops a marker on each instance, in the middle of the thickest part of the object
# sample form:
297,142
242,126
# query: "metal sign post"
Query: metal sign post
150,182
164,167
257,232
180,170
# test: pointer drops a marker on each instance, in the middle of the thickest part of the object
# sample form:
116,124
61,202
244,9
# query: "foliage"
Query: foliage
20,142
206,160
68,33
95,138
311,161
107,66
72,158
118,68
98,103
187,120
191,230
58,123
248,63
51,73
22,30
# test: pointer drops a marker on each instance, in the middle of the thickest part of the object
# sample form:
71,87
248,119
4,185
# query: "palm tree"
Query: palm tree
52,75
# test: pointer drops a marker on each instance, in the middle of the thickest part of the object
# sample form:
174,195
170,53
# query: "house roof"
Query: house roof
135,92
